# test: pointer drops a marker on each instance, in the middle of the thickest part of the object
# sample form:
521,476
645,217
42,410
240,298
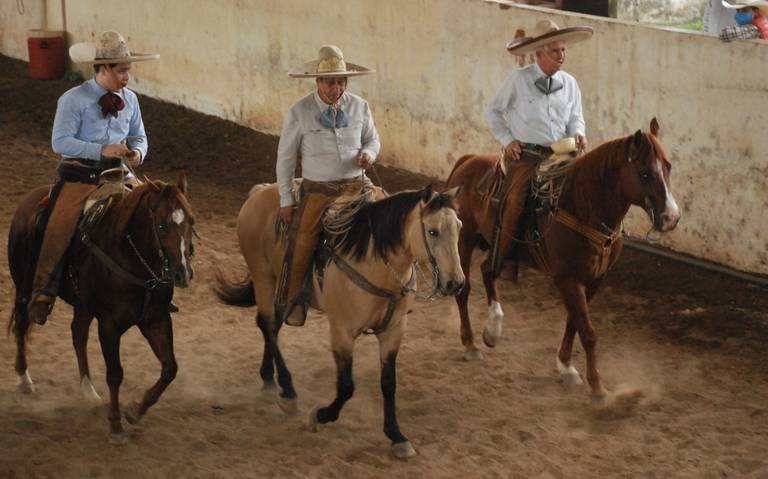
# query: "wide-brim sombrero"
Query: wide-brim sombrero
330,63
760,4
111,48
545,32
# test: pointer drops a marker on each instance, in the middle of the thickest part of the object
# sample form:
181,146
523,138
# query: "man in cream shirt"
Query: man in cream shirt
536,106
333,132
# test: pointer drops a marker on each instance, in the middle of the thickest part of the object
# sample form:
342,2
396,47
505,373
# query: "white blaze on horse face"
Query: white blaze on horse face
671,214
177,216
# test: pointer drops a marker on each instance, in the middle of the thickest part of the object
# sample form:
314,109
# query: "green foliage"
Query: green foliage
73,76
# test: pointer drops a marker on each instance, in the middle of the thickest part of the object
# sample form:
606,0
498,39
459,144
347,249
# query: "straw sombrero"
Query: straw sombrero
547,31
330,63
761,4
111,48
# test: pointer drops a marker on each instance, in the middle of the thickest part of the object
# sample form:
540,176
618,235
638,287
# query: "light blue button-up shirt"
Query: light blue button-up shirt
521,112
80,128
327,154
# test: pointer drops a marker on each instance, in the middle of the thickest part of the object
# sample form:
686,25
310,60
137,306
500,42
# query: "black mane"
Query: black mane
383,221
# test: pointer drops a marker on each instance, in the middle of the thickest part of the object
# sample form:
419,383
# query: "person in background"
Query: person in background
751,18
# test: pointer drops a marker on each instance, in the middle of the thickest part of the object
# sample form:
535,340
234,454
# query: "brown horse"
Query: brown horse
368,285
580,241
121,271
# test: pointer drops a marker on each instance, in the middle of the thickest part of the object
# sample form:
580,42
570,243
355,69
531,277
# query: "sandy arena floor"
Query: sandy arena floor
690,343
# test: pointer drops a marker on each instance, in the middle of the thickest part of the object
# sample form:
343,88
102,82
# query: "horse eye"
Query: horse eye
646,175
434,233
162,228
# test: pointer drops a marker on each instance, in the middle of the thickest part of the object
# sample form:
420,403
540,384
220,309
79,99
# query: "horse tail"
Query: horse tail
235,293
456,166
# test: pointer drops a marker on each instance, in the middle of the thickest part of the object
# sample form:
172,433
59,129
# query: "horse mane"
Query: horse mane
384,220
126,209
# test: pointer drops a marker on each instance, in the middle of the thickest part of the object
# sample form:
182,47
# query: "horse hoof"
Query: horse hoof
118,439
288,406
599,400
489,339
88,391
473,355
132,415
25,384
571,379
313,423
403,450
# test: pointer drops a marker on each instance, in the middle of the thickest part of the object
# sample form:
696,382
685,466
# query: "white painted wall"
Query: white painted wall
439,62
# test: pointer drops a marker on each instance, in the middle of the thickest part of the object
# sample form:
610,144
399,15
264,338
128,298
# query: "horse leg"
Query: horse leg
267,370
389,345
575,299
493,322
466,246
20,322
159,335
287,398
568,373
109,338
345,386
81,324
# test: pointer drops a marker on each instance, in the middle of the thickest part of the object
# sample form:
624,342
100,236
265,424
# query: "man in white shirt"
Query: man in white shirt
333,132
536,106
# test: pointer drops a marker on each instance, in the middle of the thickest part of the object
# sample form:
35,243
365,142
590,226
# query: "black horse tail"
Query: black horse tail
235,293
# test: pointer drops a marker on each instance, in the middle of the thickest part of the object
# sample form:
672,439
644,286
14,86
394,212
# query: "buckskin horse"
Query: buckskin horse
122,271
368,285
580,240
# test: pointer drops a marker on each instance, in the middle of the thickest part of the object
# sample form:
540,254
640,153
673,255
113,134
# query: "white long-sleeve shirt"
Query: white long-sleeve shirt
520,111
327,154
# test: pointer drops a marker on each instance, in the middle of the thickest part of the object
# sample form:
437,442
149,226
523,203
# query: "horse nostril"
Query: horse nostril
454,286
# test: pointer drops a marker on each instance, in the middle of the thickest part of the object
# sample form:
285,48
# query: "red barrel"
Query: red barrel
46,54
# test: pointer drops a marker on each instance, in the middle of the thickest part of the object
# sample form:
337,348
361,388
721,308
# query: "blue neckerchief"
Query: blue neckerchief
548,85
334,118
743,18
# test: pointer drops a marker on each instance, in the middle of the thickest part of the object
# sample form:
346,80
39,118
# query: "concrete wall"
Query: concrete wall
439,62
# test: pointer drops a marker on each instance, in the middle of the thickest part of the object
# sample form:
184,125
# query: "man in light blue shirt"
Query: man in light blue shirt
536,106
97,126
333,131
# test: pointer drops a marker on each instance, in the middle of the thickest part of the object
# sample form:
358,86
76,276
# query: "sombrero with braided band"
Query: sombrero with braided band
330,63
545,32
111,48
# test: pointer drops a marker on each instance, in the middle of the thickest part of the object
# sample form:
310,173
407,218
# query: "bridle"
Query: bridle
156,280
393,298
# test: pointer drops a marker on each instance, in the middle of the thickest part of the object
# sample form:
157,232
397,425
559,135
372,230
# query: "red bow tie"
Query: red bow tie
111,104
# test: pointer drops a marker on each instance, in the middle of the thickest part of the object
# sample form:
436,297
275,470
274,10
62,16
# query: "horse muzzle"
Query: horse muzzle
183,276
452,287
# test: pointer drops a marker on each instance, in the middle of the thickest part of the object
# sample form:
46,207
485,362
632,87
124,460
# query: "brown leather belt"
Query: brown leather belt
82,170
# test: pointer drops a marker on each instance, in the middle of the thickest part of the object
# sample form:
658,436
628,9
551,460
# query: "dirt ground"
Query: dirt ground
690,343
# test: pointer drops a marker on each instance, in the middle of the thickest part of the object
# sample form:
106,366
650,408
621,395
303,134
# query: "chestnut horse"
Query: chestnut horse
122,272
368,285
580,240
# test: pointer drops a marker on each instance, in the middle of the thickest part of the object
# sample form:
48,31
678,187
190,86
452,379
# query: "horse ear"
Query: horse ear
635,143
427,192
182,183
655,129
454,192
